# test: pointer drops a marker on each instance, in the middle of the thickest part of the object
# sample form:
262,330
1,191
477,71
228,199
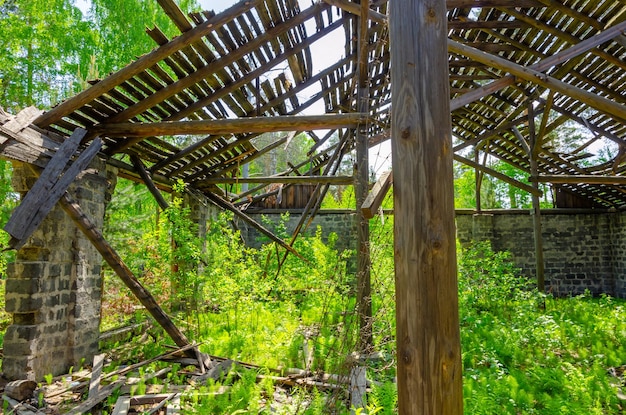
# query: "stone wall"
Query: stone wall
341,222
54,287
583,250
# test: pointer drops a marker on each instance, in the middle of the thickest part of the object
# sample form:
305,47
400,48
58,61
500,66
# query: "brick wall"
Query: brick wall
54,286
582,250
341,222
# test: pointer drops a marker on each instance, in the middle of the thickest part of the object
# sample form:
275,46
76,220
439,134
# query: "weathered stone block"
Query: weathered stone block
17,367
23,286
19,303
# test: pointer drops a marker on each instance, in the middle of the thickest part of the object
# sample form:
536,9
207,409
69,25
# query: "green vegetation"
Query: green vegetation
523,353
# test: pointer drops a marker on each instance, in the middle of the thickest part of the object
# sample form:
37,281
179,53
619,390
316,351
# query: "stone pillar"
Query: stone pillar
54,286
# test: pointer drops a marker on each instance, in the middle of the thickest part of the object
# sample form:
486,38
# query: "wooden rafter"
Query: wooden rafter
599,102
232,126
141,64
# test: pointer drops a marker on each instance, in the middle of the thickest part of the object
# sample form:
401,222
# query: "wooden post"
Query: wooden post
478,177
427,320
534,171
361,175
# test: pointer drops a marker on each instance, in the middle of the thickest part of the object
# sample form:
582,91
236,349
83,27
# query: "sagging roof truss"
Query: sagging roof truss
518,70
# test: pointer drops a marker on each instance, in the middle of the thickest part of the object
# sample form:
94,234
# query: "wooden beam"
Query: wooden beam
464,4
143,63
486,24
534,148
147,179
356,9
361,187
377,195
232,126
596,101
521,139
498,175
578,179
428,360
224,204
334,180
541,66
82,221
127,171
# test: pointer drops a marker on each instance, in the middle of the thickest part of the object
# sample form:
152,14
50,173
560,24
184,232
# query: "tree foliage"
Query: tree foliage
44,44
50,48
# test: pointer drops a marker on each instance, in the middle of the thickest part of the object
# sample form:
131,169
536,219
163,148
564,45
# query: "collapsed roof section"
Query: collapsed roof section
519,70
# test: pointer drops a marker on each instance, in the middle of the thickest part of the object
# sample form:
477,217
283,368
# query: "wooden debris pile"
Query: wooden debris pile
135,388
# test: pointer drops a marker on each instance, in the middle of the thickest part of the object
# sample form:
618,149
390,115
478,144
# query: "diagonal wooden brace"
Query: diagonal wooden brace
84,223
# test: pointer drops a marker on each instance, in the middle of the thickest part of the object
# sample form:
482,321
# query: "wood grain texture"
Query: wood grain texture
232,125
427,321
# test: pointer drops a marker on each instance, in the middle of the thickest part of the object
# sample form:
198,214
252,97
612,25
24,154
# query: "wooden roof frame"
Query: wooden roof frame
214,80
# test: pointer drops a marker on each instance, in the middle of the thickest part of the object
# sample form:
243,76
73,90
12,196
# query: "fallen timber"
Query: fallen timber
109,375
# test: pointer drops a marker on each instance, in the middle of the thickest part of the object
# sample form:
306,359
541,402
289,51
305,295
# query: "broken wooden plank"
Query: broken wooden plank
121,331
358,385
122,406
174,407
162,356
37,152
104,393
375,198
48,189
20,408
31,202
22,120
161,399
94,382
216,372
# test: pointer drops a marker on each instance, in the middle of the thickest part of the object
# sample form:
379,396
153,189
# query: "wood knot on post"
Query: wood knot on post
431,15
406,133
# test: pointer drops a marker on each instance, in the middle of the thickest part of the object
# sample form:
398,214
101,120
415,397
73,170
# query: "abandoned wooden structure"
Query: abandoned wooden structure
515,70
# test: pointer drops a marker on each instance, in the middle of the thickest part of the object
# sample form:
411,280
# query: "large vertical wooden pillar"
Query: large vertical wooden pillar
427,321
364,295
